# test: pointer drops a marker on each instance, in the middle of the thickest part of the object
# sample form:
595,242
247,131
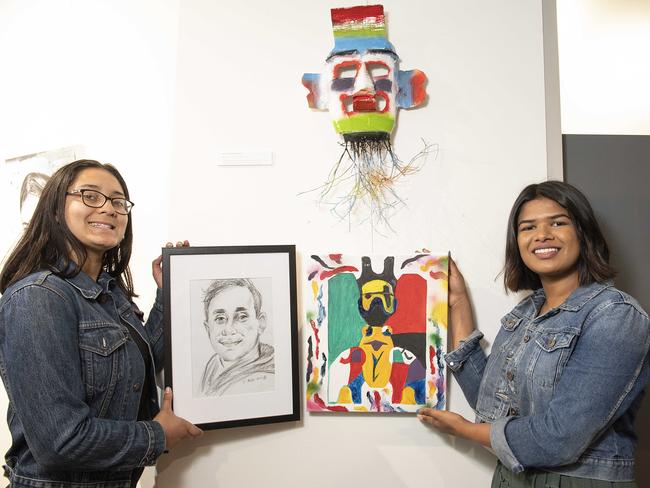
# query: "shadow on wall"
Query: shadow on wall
643,450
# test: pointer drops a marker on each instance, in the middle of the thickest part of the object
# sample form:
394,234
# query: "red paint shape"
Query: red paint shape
343,65
384,95
311,96
398,380
438,275
319,401
364,102
378,401
418,84
341,269
411,296
356,14
356,364
315,331
336,258
432,355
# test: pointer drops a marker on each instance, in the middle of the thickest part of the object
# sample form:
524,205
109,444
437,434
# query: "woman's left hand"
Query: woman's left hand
156,264
454,424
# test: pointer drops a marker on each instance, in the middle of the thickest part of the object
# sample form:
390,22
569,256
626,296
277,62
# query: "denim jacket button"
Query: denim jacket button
526,338
136,386
513,412
551,343
510,375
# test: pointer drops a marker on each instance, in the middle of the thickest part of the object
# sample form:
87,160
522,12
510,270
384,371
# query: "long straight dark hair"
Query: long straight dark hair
593,262
48,243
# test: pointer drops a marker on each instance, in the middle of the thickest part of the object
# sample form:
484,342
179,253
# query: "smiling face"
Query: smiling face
232,324
547,240
98,229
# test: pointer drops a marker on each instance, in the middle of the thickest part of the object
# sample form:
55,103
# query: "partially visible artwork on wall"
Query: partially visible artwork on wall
376,332
26,176
362,87
231,334
22,179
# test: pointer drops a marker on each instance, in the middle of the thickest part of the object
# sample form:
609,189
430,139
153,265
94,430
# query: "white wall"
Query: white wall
238,86
604,69
100,74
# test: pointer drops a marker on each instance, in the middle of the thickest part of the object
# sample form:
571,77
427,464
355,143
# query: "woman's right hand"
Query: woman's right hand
176,428
461,317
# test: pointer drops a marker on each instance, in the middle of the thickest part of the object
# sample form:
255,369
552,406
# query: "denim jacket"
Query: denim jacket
562,389
74,379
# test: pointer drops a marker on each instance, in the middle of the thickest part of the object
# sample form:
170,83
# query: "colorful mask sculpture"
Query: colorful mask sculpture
363,88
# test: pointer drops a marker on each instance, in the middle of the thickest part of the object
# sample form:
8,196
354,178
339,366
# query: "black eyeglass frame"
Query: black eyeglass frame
128,204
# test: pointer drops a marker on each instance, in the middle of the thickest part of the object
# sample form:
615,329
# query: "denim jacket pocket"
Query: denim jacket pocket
102,354
553,351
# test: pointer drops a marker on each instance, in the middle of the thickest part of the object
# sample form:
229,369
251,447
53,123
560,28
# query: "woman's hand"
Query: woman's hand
456,425
461,317
156,264
176,428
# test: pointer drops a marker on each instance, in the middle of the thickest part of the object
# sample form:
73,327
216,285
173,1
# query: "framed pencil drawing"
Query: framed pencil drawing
231,334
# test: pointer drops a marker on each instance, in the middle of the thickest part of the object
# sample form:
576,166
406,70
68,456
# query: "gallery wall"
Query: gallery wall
238,90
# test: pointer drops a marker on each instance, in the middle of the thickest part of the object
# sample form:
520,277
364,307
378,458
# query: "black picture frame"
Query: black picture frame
240,367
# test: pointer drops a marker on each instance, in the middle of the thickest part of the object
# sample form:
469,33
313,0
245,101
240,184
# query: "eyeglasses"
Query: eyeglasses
96,199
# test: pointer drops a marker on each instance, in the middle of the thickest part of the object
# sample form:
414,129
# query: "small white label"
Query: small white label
245,158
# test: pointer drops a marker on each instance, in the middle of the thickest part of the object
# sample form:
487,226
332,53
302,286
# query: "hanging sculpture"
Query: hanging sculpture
363,88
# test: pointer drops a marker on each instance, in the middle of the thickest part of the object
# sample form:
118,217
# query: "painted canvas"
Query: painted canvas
376,332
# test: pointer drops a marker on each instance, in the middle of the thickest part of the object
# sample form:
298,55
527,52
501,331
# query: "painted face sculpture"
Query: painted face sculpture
362,86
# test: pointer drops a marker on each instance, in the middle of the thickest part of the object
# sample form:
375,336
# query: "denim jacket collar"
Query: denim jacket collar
88,287
582,295
579,298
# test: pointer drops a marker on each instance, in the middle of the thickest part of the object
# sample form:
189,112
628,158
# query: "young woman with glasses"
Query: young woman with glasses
557,397
76,360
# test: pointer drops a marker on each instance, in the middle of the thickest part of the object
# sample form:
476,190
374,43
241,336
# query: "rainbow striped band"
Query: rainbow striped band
359,29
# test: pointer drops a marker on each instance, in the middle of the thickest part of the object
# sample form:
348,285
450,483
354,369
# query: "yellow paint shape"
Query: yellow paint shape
408,396
314,288
439,314
345,395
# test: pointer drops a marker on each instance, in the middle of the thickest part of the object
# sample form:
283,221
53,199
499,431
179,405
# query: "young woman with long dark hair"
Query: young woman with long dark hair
76,360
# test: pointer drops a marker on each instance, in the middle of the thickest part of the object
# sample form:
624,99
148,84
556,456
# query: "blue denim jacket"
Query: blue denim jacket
74,379
562,389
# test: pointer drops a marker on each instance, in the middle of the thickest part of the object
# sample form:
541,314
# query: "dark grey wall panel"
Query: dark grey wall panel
614,173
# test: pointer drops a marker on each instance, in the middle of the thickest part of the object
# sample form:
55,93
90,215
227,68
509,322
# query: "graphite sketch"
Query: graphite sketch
235,323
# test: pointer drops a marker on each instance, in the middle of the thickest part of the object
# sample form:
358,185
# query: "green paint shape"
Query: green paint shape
434,338
312,388
311,315
343,320
398,357
365,122
346,31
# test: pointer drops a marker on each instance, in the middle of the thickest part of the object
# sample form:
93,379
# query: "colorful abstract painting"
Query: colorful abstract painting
376,332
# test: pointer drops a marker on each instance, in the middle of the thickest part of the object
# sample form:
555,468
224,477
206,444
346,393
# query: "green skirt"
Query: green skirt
504,478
